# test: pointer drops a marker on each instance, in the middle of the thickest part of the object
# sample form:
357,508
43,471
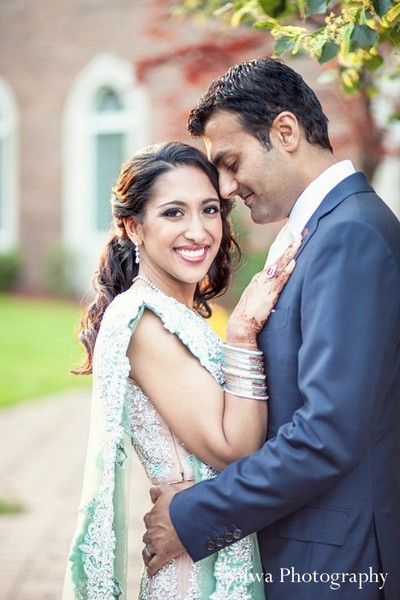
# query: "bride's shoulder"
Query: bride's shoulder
122,309
128,301
129,305
174,316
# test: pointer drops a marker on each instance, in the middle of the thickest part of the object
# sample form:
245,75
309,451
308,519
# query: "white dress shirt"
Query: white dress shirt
306,205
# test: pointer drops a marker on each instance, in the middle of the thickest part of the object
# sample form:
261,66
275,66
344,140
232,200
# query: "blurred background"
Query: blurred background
83,85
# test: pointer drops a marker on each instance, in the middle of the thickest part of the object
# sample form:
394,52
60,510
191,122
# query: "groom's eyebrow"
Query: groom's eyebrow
218,158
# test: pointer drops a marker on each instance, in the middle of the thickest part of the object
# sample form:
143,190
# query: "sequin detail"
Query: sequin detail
148,436
127,410
233,571
164,585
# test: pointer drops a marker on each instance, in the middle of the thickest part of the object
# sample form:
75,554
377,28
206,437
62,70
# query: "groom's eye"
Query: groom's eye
232,166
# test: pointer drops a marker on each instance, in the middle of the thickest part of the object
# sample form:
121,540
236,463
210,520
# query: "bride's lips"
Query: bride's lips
192,254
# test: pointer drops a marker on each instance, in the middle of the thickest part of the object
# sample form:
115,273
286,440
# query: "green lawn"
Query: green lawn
38,348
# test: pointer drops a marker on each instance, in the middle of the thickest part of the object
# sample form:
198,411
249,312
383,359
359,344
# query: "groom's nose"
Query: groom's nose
228,185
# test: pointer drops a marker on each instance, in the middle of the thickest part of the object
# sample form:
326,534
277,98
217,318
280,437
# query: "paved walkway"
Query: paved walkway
42,450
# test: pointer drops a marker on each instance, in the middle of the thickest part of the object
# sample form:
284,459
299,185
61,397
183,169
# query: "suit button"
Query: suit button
210,546
220,542
237,534
228,537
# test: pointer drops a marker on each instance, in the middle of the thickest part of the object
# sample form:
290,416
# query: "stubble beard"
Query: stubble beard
260,212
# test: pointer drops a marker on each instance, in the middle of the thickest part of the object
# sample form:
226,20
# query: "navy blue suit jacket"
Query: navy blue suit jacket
323,492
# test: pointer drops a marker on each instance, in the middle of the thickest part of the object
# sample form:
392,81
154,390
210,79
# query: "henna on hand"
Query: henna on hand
259,299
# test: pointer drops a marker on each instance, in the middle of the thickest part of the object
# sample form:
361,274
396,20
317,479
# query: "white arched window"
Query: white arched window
105,122
8,168
109,139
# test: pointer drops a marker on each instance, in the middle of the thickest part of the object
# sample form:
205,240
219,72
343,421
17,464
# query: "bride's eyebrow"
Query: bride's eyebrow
181,203
174,202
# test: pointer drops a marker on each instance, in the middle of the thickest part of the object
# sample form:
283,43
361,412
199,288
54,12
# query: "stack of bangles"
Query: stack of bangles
244,372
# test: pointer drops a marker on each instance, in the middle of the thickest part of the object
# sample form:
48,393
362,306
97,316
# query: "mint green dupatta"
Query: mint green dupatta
97,568
235,572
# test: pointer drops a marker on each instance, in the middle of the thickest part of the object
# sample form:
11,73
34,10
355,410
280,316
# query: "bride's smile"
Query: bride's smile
181,231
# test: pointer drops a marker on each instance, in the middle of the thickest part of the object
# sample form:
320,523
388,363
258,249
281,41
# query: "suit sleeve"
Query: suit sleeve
349,324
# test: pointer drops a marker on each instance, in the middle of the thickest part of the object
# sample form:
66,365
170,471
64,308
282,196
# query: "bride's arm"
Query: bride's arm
216,426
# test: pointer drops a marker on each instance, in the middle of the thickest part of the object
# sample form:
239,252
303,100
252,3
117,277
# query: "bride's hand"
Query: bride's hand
259,298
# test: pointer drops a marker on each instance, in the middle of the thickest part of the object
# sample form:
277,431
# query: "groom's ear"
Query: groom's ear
285,131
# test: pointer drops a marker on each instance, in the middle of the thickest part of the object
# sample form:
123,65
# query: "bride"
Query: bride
163,384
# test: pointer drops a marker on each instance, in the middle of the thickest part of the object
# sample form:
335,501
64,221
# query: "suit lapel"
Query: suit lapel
351,185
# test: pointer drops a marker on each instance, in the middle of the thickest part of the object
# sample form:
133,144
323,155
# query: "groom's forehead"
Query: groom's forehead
221,135
221,124
216,151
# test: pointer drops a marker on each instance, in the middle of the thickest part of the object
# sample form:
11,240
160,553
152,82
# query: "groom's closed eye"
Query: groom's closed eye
232,167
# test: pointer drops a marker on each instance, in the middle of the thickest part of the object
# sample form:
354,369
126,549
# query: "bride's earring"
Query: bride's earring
137,254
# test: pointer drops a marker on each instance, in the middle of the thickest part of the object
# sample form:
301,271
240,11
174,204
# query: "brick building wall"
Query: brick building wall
45,45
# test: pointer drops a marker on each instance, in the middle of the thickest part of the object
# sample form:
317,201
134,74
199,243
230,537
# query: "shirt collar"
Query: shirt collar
308,202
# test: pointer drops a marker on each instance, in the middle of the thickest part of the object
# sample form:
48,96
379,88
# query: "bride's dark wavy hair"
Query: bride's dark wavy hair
130,195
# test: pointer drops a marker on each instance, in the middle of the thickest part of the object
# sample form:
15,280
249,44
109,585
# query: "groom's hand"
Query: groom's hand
161,541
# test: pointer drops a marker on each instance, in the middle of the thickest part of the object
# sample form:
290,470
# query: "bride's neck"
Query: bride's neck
182,292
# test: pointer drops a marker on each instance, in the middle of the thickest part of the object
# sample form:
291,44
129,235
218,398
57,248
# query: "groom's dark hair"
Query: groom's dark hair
257,91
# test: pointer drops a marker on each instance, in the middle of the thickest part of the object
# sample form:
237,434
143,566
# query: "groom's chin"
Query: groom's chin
258,217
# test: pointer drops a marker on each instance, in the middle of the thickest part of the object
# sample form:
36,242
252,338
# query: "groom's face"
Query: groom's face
247,169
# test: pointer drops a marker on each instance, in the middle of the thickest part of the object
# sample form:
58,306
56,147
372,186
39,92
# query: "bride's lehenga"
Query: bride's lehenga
123,418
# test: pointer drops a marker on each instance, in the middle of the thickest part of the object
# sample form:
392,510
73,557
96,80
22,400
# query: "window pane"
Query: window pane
107,101
109,150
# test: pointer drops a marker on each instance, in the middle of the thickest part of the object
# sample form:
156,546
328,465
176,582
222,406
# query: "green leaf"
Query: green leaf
346,36
316,7
274,8
329,51
382,6
374,62
264,25
350,85
394,13
363,37
394,36
243,13
372,91
270,24
283,44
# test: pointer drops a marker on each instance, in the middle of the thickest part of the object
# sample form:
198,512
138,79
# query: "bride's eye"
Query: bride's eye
212,209
172,212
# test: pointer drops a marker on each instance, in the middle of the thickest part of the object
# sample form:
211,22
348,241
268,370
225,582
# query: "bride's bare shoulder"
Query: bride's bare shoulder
151,337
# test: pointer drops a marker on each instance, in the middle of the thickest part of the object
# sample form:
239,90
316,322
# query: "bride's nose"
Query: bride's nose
195,230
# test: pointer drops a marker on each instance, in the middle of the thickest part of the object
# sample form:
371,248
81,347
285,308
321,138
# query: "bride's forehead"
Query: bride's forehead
188,181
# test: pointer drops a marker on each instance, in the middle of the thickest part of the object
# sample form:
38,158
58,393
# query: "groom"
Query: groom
323,492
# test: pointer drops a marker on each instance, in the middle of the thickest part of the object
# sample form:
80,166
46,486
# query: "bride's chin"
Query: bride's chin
192,274
193,279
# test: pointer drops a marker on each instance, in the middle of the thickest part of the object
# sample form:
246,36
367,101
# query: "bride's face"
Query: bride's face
182,228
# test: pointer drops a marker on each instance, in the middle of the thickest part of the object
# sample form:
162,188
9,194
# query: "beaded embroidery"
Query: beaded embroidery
123,401
152,446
